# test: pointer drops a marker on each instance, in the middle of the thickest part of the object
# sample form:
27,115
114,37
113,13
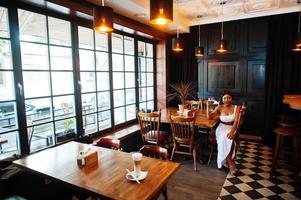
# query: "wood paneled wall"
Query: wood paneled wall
241,70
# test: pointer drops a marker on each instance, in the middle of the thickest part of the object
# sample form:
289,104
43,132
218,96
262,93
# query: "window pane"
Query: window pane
34,56
149,50
103,101
129,45
142,94
89,103
130,96
88,81
65,130
38,111
141,64
90,124
130,112
129,80
119,115
142,79
150,65
7,90
8,116
63,107
129,63
117,44
59,31
150,79
150,93
150,105
102,61
118,80
104,120
5,54
61,58
31,88
42,137
85,37
32,26
4,30
86,60
117,62
62,83
101,40
118,98
12,145
103,81
142,106
141,48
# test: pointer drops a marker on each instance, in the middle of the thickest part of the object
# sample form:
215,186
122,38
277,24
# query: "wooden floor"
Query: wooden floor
186,183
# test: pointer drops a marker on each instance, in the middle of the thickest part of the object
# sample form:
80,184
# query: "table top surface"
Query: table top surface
104,178
201,120
293,100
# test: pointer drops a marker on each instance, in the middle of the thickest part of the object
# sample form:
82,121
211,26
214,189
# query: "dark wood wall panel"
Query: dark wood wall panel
241,70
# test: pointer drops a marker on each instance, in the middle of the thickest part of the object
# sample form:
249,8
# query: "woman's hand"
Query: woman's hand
231,135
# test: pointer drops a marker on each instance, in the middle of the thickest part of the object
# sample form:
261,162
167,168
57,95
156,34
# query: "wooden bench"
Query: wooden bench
2,141
130,137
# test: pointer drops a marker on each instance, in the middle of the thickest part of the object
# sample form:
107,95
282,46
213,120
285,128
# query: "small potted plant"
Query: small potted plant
181,91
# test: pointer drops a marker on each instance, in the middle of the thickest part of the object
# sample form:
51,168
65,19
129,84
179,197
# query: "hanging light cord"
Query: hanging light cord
222,31
199,36
177,32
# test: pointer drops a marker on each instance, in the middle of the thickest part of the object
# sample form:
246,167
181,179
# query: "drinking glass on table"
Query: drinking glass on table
137,157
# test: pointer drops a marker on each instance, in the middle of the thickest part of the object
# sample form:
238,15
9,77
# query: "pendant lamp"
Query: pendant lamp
222,47
103,18
177,43
161,11
199,50
298,37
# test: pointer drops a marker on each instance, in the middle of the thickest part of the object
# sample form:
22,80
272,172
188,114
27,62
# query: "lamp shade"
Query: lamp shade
103,18
177,44
199,51
161,11
222,47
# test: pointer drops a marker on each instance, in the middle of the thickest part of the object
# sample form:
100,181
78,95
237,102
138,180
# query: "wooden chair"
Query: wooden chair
156,151
150,128
192,104
109,143
183,132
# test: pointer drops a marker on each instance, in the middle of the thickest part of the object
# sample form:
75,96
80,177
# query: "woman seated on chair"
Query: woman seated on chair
225,132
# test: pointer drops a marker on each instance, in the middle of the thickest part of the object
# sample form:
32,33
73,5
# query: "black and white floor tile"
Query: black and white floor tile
254,162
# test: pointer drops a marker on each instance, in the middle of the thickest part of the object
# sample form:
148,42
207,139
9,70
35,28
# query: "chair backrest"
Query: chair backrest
240,120
149,122
66,107
109,143
192,104
183,128
154,151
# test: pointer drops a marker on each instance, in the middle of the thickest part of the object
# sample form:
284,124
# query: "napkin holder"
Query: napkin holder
188,113
88,157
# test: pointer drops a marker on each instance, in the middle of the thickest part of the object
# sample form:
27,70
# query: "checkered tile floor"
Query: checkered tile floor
254,161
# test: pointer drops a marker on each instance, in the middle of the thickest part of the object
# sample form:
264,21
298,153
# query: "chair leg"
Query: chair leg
164,192
275,157
194,158
296,156
210,155
173,150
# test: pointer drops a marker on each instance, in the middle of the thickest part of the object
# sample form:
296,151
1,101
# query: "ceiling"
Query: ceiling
194,12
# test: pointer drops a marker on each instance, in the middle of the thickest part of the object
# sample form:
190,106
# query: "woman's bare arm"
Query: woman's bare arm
214,113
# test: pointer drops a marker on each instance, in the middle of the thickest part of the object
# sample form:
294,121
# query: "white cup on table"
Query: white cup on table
137,158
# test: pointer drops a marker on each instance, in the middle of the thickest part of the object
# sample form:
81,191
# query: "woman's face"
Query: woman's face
227,99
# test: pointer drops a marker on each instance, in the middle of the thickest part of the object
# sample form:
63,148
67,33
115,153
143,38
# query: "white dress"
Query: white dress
223,142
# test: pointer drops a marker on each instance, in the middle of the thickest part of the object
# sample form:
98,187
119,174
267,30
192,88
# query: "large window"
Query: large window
146,76
124,93
95,81
48,79
9,137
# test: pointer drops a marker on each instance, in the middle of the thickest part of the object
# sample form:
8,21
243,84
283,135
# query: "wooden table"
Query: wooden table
105,178
201,120
294,101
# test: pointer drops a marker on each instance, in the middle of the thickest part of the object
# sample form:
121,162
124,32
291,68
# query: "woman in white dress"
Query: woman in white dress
225,132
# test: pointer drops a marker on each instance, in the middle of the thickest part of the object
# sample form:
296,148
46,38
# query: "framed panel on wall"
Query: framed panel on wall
220,76
256,77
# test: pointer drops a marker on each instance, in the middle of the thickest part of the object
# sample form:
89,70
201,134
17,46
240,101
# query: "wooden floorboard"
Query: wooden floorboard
186,183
